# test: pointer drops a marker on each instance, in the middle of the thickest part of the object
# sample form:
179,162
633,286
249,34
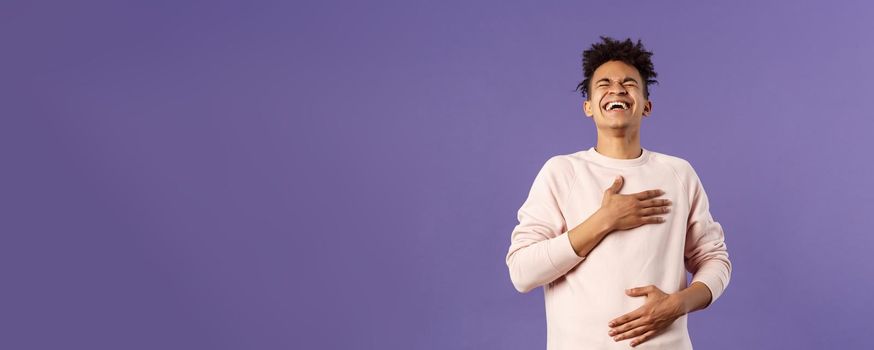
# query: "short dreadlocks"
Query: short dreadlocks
626,51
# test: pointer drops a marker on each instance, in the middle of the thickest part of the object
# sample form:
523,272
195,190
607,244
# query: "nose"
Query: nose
617,88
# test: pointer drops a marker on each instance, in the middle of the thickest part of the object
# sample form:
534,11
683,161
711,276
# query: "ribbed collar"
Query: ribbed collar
601,159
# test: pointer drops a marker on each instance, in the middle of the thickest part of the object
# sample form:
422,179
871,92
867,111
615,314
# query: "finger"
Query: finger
626,318
648,194
652,219
655,203
643,337
622,329
637,331
654,211
640,291
617,184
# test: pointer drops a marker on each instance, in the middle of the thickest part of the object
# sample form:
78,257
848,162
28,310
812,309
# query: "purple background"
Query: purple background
315,175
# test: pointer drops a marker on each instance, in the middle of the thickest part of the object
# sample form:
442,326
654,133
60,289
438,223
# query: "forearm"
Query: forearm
589,233
544,261
536,264
696,297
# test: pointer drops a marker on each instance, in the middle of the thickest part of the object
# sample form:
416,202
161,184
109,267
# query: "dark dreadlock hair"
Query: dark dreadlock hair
626,51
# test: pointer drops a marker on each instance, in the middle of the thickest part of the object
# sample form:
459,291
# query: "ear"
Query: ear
647,108
587,108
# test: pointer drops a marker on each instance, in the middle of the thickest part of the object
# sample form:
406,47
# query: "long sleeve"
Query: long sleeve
706,255
540,250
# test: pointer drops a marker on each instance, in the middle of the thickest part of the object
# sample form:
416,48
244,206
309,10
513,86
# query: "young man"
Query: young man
610,231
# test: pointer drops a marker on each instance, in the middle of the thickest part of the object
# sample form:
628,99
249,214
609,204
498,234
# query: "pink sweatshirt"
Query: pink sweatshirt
583,294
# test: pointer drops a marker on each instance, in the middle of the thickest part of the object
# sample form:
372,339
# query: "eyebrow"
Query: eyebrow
623,80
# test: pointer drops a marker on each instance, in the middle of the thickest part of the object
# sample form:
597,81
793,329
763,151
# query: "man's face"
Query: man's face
616,81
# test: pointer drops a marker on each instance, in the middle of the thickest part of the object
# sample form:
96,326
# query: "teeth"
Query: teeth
619,104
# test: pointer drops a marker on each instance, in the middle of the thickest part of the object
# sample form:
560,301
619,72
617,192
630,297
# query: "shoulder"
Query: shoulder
677,163
560,168
561,163
681,167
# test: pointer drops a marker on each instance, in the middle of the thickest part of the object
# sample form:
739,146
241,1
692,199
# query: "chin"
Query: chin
610,121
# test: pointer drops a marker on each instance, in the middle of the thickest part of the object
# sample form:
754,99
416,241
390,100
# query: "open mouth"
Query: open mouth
616,105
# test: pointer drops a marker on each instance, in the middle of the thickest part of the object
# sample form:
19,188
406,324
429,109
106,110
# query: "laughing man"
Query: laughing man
609,232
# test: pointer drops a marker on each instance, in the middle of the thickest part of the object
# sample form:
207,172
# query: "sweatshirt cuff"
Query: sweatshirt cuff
561,253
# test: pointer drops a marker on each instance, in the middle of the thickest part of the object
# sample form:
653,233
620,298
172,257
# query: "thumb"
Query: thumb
617,184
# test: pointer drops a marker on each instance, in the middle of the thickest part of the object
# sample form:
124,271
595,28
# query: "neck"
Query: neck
622,146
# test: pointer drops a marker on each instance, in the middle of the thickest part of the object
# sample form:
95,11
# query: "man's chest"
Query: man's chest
586,191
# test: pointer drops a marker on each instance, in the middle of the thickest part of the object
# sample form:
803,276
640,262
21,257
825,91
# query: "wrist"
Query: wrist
605,224
682,303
